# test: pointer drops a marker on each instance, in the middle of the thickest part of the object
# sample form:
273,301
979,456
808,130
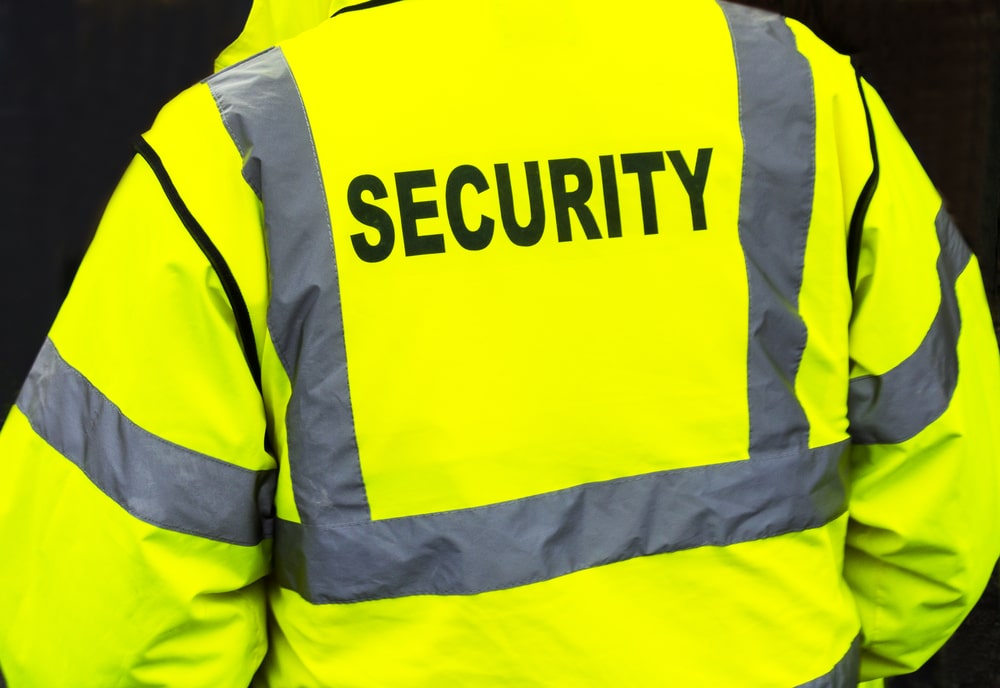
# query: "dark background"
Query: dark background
81,79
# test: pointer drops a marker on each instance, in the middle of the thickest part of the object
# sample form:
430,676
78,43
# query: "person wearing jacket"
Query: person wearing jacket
509,343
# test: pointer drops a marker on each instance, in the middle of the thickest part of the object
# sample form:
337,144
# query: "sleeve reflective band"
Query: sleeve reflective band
155,480
896,406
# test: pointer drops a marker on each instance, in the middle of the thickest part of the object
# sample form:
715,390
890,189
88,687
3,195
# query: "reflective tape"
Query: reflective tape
339,554
263,112
155,480
844,674
538,538
778,124
896,406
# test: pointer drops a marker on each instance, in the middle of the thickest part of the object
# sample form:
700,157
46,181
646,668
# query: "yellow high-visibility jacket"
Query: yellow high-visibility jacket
509,343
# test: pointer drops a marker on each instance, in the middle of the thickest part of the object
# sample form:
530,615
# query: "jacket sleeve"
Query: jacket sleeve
924,415
135,504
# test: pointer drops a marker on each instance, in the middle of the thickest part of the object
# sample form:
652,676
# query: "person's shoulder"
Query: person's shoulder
271,21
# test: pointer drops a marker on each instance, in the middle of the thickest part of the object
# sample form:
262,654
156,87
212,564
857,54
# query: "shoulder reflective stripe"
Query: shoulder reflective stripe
778,120
844,674
515,543
263,112
896,406
156,481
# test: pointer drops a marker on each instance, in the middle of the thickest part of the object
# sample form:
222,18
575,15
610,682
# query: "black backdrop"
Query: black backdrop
80,79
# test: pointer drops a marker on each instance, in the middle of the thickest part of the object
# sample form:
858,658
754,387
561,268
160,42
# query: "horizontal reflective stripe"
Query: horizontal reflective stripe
844,674
896,406
514,543
156,481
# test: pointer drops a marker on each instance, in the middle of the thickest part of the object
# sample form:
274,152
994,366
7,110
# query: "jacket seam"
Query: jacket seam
241,313
364,6
864,201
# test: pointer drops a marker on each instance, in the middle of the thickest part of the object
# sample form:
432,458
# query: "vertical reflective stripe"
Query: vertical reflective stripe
844,674
896,406
778,121
155,480
263,112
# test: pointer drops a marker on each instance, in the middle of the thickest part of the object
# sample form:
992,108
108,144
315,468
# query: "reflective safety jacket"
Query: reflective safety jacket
509,343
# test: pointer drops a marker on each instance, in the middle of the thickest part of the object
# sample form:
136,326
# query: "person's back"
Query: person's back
552,312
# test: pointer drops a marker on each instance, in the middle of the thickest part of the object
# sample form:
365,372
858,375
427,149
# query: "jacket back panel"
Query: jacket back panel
535,216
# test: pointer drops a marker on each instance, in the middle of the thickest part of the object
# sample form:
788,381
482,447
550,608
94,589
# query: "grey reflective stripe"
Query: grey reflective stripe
778,120
896,406
263,112
844,674
156,481
539,538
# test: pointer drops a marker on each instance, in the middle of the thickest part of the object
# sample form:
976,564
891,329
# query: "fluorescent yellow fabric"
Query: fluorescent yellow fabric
485,408
149,326
606,626
842,163
272,21
931,546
